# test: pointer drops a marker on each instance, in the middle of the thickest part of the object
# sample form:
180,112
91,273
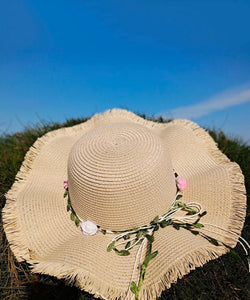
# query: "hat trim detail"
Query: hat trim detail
81,278
144,235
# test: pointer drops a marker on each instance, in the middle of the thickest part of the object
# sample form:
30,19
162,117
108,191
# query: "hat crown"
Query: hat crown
120,176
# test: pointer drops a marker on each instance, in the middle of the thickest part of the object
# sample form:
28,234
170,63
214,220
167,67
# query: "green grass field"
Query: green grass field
224,278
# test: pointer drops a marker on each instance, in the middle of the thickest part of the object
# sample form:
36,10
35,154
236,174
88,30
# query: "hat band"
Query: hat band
145,234
140,235
89,228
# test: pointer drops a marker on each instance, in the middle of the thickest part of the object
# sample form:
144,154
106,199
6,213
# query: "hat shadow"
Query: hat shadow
51,288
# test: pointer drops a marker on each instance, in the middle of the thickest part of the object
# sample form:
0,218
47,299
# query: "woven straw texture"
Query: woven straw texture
125,164
116,172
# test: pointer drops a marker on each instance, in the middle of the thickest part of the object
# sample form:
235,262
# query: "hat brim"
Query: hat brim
40,231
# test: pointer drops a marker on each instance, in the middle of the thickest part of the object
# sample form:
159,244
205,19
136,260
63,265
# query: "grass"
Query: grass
224,278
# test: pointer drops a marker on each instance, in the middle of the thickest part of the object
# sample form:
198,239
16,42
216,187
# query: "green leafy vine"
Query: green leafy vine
130,238
73,215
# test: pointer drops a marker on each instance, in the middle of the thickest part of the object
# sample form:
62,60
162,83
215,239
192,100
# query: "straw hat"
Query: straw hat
121,175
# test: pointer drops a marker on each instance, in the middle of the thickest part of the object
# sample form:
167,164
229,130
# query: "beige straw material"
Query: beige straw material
39,228
116,172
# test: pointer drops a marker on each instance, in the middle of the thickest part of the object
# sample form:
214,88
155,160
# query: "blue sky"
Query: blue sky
181,59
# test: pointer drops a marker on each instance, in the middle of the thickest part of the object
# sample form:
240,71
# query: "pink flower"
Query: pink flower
181,183
65,184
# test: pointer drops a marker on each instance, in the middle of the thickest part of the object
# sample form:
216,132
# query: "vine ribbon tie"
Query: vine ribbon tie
244,244
145,234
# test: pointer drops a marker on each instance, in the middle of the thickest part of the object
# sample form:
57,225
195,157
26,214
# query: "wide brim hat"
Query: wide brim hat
117,164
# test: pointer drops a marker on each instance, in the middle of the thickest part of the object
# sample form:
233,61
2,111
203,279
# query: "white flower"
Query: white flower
89,228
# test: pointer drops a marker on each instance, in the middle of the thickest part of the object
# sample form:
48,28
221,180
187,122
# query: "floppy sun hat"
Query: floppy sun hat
122,207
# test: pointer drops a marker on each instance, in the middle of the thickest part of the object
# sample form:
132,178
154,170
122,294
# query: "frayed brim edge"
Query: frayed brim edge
94,285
